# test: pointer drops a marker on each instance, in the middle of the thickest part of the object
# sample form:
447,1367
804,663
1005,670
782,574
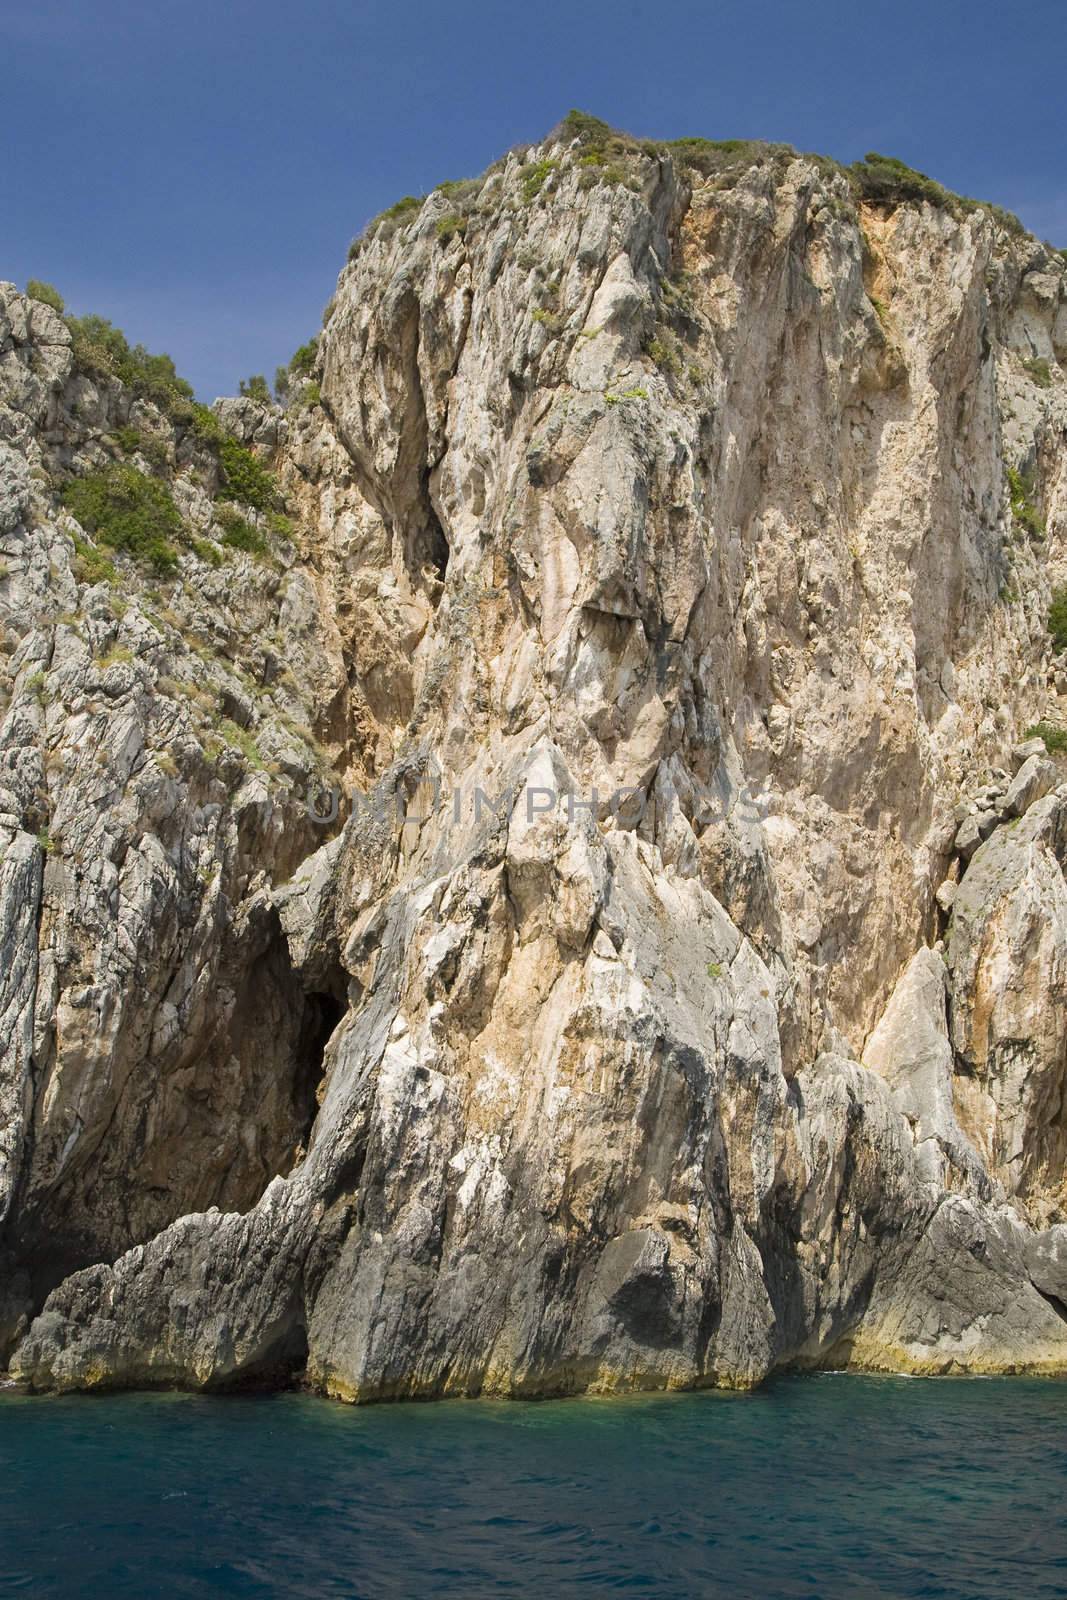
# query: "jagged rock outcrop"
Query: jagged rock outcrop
674,991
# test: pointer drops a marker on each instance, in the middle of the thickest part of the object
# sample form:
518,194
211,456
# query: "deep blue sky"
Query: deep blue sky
195,171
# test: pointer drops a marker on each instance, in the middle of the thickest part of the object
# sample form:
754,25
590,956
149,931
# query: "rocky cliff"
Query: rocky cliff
675,987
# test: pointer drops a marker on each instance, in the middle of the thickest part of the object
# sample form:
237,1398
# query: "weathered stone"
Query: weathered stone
1034,779
946,894
973,832
437,961
1007,958
1021,753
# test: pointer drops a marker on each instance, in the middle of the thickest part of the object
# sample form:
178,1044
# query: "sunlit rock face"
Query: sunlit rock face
676,987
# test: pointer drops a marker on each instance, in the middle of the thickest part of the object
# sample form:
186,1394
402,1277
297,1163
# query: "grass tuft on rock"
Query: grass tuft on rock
46,294
238,533
1054,739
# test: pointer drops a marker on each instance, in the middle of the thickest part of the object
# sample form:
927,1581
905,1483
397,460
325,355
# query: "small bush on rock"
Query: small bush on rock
103,351
46,294
1053,738
255,388
246,479
128,511
448,227
1039,371
402,208
90,564
301,364
1023,509
238,534
533,177
580,125
884,178
1057,618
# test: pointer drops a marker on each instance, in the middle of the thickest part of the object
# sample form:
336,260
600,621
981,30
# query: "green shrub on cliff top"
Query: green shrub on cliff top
103,351
46,294
887,179
301,365
708,156
580,125
254,388
402,208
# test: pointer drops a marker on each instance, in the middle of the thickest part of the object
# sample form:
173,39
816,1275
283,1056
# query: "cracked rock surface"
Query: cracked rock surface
678,989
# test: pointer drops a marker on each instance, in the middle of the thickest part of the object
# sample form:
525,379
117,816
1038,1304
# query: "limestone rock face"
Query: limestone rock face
672,986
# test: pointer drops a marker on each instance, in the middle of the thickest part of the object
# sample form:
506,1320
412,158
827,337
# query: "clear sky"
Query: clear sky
195,171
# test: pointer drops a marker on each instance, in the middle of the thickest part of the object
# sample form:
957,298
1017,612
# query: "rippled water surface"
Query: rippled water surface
821,1487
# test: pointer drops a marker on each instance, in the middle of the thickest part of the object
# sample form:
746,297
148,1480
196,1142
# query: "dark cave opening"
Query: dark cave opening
427,551
1052,1301
322,1012
437,546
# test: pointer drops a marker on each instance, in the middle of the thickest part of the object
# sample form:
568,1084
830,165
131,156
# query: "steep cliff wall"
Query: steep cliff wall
680,989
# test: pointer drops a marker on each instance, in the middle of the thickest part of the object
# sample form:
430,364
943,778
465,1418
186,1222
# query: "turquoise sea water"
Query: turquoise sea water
819,1487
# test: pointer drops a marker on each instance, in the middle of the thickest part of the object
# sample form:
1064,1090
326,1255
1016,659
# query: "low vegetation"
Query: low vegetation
625,394
238,533
128,511
589,130
885,180
533,176
46,294
404,207
460,189
207,552
878,179
549,319
124,508
1024,512
1057,618
1053,738
232,734
451,226
711,156
131,441
663,355
1039,370
255,388
103,351
279,524
245,478
90,564
300,366
386,223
